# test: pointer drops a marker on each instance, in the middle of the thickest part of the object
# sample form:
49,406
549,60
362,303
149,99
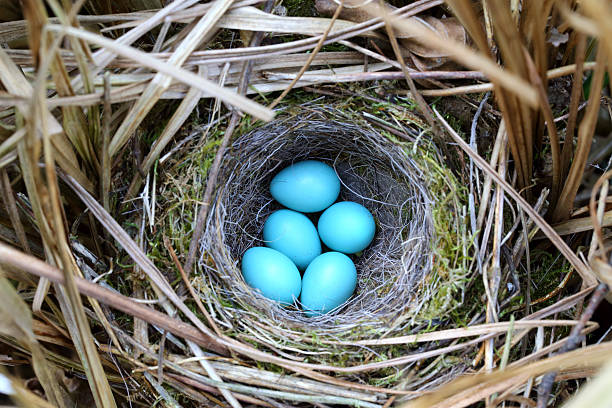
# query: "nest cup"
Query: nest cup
375,172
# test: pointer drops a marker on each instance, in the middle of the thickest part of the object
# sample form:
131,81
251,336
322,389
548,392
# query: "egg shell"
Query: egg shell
307,186
293,234
346,227
273,273
328,282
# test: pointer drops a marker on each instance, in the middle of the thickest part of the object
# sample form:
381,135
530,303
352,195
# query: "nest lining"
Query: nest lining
375,172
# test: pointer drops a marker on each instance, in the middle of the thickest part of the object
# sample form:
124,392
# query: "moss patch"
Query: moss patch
300,8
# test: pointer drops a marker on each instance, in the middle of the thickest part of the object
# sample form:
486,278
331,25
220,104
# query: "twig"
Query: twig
492,282
390,401
373,76
17,259
310,58
567,115
555,291
160,357
573,341
479,88
195,297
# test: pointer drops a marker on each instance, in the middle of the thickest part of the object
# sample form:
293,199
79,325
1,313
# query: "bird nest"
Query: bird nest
409,278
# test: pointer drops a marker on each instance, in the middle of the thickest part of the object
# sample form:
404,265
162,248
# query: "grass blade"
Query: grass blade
16,321
161,82
585,137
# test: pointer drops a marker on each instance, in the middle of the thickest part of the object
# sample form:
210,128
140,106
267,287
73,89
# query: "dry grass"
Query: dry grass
107,305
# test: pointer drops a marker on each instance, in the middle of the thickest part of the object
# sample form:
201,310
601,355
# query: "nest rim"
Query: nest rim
338,324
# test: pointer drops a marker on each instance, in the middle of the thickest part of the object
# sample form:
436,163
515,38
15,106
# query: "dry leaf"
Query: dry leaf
349,12
423,58
448,28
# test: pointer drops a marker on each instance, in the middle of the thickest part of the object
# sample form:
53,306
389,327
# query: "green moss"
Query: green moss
452,241
300,8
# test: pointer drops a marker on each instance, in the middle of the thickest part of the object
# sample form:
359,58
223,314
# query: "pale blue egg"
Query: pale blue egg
293,234
346,227
308,186
328,282
273,273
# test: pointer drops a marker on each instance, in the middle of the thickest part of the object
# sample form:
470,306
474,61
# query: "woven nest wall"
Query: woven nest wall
373,171
408,281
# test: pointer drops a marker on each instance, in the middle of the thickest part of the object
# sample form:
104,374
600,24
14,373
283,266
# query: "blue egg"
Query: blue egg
328,282
308,186
347,227
293,234
273,273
